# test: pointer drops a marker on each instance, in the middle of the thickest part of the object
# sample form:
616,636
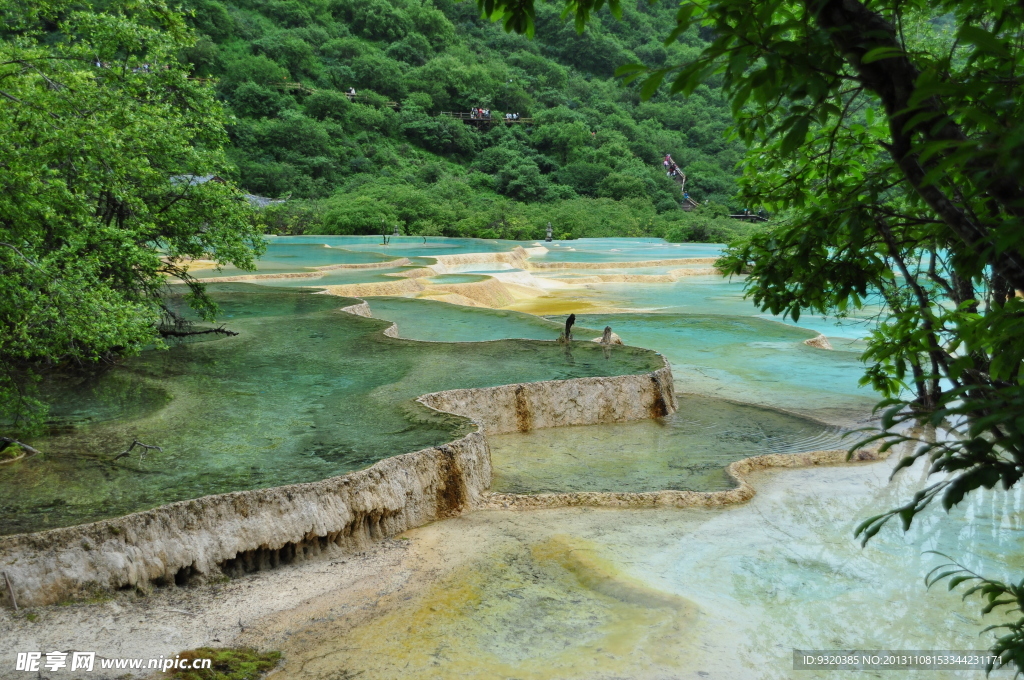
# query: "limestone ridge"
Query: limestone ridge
260,528
248,530
359,309
560,403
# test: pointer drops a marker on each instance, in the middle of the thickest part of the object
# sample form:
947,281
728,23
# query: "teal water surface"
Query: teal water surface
404,246
303,392
625,250
745,358
741,358
297,257
435,321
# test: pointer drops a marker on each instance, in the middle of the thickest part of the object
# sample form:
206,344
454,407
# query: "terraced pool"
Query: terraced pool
303,392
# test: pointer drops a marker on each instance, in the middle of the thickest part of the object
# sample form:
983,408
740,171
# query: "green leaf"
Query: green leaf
880,53
795,138
982,39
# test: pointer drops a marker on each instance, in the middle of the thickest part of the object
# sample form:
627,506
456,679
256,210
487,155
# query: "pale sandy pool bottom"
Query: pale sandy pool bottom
724,593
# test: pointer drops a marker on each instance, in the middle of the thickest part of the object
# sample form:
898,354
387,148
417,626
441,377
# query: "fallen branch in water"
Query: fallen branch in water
142,454
169,332
7,441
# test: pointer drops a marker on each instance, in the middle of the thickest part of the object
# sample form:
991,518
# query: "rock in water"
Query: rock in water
821,342
608,338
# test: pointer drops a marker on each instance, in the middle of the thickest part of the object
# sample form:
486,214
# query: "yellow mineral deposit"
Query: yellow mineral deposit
551,609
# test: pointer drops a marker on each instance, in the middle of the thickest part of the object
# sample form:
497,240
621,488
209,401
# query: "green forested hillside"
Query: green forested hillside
589,162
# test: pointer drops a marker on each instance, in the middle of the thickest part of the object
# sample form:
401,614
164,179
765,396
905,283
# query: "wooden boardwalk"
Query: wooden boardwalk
688,203
495,118
306,89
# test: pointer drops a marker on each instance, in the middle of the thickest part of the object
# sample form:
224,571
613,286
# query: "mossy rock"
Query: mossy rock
240,663
11,453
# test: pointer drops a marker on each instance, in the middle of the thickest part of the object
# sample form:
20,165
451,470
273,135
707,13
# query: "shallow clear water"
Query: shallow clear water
713,295
303,393
297,257
441,322
456,278
701,295
406,246
337,277
686,451
746,359
624,250
717,594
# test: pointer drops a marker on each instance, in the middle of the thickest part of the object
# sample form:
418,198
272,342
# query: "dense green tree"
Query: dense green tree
411,60
105,142
257,101
619,185
891,134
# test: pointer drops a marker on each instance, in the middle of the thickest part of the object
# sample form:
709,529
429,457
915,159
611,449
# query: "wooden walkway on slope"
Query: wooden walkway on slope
688,203
306,89
494,119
